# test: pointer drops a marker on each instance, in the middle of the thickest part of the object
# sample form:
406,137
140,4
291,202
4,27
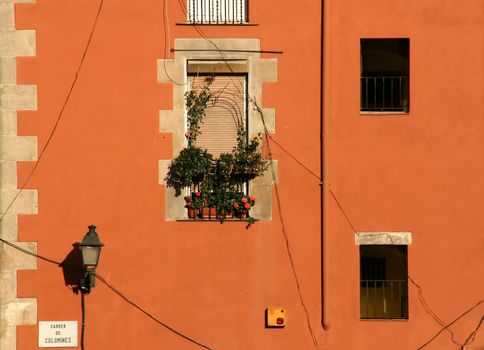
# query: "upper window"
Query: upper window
384,75
217,11
383,281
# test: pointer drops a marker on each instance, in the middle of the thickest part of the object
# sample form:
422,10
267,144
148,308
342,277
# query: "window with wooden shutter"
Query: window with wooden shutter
225,113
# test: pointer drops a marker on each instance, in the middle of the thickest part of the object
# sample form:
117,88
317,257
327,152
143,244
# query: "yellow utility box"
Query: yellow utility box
275,317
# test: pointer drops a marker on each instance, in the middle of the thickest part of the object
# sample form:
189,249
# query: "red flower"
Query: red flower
197,194
252,198
244,199
247,205
189,203
236,206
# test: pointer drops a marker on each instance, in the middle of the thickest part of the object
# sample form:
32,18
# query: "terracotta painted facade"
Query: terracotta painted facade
342,177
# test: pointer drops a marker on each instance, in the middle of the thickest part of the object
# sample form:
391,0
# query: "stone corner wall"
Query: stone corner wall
13,97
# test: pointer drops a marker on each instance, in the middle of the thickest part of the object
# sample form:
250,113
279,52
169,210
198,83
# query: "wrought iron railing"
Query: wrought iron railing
384,299
384,93
217,11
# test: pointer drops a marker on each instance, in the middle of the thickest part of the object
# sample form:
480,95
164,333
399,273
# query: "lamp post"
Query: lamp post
91,250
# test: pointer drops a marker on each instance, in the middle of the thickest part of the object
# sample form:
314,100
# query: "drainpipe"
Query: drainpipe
324,162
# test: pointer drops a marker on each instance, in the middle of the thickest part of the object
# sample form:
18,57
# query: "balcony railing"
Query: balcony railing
384,299
217,11
384,93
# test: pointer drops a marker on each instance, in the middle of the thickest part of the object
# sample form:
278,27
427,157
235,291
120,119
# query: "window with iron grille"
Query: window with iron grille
217,11
384,75
383,281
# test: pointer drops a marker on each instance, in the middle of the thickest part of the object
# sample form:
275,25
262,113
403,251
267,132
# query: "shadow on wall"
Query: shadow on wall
73,269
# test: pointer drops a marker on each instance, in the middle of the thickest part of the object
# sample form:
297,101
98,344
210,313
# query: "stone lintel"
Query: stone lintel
386,238
200,47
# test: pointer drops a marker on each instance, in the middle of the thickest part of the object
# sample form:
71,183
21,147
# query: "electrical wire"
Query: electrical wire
103,280
284,230
472,336
422,300
166,26
276,188
454,321
61,113
129,301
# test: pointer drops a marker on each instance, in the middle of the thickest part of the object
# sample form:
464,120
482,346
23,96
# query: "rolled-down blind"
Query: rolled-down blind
224,114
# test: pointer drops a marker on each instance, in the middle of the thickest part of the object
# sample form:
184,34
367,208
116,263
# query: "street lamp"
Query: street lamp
91,250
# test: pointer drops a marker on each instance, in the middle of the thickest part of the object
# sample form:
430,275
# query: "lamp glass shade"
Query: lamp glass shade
90,248
90,255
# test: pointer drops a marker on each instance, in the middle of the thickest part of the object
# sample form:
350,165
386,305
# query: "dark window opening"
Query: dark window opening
384,75
383,281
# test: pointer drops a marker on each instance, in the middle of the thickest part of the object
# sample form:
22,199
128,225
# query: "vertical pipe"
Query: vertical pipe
324,109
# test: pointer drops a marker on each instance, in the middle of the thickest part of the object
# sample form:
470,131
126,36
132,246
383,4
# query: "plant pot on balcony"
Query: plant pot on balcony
209,213
193,212
241,215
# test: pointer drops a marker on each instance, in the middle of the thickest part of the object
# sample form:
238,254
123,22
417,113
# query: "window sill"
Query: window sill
383,113
220,221
218,24
397,319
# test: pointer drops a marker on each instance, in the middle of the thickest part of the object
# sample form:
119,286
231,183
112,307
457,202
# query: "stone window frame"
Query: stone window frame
259,71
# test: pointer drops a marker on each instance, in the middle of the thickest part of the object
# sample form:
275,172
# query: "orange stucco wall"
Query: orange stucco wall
421,172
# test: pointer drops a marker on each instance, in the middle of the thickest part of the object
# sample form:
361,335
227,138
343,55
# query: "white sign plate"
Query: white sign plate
58,334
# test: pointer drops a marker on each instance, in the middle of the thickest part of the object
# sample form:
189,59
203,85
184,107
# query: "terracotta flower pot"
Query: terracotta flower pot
242,215
192,213
225,215
209,212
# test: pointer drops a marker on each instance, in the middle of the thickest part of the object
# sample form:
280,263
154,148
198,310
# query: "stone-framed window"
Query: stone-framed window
221,56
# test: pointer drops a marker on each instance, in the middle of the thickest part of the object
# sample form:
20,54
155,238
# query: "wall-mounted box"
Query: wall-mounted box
275,317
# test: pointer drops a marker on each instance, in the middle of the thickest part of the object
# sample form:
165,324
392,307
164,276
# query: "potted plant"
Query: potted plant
189,170
248,162
193,203
242,204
